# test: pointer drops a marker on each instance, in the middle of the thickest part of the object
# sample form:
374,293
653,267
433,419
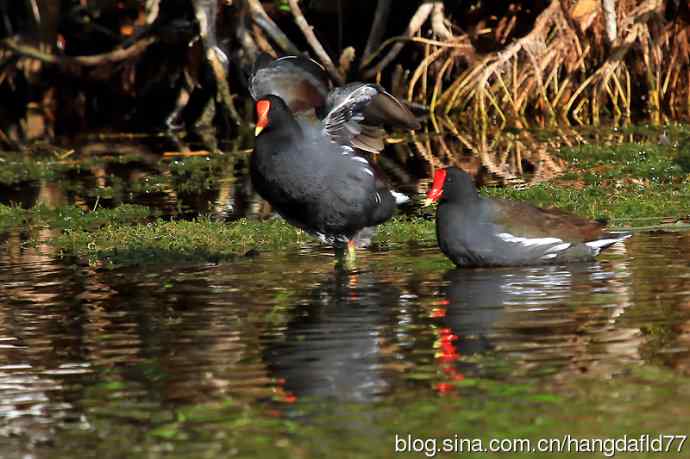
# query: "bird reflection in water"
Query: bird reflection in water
478,302
334,346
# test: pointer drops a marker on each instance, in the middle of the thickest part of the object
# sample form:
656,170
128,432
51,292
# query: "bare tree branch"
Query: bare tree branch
418,19
314,42
117,55
345,61
223,93
244,37
609,7
272,30
378,27
438,22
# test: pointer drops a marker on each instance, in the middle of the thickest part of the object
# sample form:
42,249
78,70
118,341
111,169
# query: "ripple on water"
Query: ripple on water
136,345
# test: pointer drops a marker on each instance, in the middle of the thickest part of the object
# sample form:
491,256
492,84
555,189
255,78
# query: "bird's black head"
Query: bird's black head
452,185
272,114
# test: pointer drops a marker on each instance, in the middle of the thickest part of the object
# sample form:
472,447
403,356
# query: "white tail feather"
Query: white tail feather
600,244
399,197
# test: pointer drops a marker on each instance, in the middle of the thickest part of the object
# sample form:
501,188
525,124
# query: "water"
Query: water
290,354
287,355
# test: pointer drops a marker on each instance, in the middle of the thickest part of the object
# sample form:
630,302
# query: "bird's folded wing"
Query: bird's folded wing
524,220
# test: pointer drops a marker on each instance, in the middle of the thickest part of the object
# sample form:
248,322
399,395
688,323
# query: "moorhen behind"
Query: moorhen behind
306,162
474,231
352,115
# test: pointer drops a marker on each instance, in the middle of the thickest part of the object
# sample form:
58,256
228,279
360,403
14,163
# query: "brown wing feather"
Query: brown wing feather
525,220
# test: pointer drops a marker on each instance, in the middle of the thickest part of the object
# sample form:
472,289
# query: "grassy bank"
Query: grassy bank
632,185
128,234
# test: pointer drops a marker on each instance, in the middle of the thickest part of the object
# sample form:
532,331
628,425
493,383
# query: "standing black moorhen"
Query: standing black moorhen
306,162
474,231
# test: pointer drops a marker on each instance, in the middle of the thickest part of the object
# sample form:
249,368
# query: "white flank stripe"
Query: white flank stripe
529,242
368,171
399,197
548,256
558,248
601,243
360,159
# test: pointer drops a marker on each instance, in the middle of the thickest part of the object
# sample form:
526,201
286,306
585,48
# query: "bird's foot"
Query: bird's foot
346,258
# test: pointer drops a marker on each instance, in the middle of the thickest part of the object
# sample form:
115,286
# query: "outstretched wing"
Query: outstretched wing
356,114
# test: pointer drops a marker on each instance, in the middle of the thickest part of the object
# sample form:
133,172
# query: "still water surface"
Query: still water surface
288,355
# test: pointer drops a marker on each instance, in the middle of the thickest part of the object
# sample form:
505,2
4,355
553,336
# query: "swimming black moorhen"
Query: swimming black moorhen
474,231
306,162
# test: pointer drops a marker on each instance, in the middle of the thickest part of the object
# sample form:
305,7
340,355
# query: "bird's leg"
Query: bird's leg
345,257
351,250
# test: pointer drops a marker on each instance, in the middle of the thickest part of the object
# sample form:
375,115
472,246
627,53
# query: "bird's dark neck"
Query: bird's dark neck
469,197
288,129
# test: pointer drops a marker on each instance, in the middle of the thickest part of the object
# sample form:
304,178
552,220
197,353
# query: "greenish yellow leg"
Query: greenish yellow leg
345,258
351,250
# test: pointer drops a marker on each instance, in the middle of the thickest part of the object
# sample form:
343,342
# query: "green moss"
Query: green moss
683,157
635,184
74,219
11,216
178,241
203,239
632,160
74,174
17,167
621,183
150,184
198,174
127,234
620,205
71,218
401,230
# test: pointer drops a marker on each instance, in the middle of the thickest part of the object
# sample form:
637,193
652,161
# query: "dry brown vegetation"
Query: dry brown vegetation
582,60
549,62
567,68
